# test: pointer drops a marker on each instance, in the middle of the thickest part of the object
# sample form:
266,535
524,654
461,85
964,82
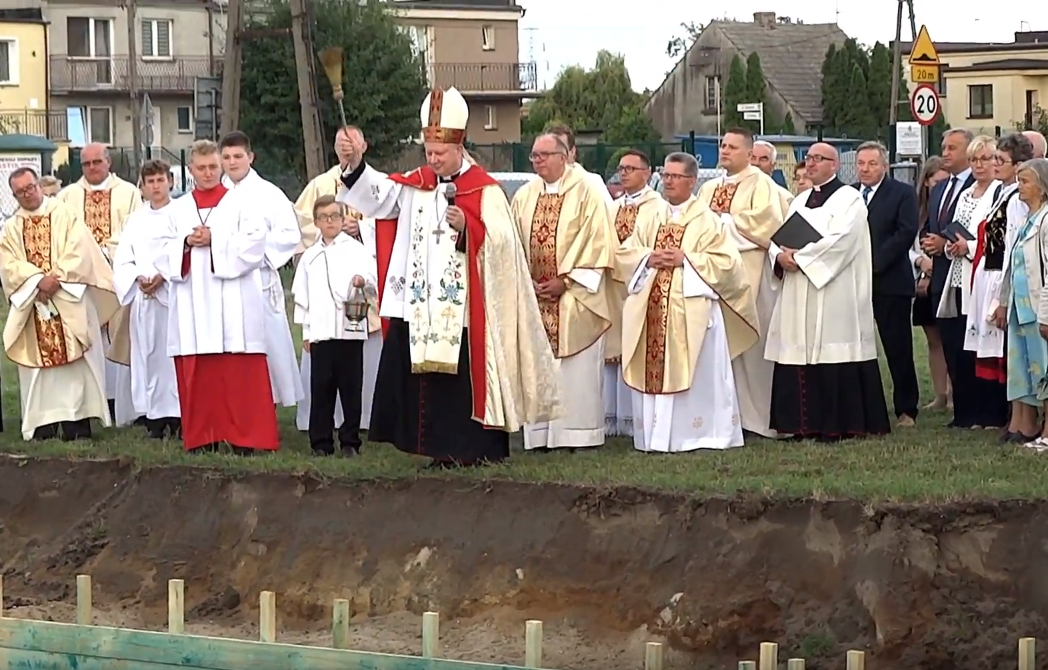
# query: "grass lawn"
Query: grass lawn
927,463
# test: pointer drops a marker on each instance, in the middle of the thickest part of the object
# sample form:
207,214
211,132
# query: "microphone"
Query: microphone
450,192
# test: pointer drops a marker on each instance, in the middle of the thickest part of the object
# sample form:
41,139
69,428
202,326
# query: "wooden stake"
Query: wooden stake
1027,653
653,656
430,635
267,617
795,664
1,596
856,660
769,656
176,606
83,600
747,665
340,624
533,644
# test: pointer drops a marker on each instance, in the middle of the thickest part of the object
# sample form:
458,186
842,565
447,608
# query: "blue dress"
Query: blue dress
1027,351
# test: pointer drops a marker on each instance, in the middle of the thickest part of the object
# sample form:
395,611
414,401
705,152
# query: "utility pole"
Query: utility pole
302,34
132,75
893,112
231,70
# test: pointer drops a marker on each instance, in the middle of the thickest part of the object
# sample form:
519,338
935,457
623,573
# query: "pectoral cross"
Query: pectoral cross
438,232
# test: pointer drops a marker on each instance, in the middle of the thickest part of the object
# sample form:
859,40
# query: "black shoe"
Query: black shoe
350,452
243,451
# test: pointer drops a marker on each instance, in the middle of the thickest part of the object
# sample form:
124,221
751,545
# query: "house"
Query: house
986,87
90,66
24,105
791,54
473,45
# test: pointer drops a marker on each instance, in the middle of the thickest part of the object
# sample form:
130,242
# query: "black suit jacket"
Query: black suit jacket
931,226
893,219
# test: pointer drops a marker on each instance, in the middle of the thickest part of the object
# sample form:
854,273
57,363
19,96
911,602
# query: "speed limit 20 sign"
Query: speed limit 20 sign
924,105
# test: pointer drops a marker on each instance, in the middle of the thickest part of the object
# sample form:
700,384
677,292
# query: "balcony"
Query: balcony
485,78
74,74
39,122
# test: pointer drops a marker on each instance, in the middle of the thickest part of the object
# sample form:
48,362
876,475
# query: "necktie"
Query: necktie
944,208
866,191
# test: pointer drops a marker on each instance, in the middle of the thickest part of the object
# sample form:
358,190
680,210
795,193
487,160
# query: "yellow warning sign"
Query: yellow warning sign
924,74
923,52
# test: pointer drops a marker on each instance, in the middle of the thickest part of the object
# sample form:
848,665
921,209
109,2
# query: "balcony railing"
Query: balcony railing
485,77
52,125
75,74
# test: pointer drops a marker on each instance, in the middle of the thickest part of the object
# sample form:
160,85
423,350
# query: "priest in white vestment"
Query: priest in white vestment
105,201
459,369
214,254
752,207
143,290
822,336
690,311
60,290
282,239
569,241
637,203
595,181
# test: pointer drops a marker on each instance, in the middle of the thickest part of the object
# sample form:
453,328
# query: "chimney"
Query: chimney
764,19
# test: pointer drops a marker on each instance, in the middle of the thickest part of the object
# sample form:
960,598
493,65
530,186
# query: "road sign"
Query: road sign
924,74
749,107
909,138
924,104
922,51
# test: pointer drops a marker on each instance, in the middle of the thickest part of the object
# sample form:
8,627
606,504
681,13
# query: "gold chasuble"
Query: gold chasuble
53,241
662,330
625,212
104,208
757,207
565,229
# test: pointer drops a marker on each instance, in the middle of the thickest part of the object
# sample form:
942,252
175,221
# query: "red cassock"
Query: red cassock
225,397
469,185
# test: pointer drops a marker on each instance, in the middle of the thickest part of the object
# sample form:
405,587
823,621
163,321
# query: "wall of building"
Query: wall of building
507,122
168,136
28,47
1009,98
190,28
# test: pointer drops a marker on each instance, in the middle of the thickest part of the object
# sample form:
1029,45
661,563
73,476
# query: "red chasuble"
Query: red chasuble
224,397
470,185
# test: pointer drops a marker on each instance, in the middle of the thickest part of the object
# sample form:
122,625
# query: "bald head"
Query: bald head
1040,146
820,164
94,160
823,149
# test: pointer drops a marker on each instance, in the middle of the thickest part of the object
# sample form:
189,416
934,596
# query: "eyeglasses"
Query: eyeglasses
816,158
628,169
671,176
95,163
27,190
536,156
983,160
998,160
328,218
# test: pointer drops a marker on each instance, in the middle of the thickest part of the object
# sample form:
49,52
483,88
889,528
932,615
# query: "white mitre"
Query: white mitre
444,117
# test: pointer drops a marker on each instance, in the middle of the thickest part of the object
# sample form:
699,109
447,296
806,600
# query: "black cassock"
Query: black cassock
829,401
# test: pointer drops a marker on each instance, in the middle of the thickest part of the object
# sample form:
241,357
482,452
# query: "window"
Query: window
99,124
491,123
487,38
980,101
156,38
8,61
712,92
89,38
185,119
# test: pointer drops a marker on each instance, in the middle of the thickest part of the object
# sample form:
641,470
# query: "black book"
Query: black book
796,233
955,231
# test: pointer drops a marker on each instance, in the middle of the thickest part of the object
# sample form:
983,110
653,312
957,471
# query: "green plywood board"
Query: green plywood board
43,645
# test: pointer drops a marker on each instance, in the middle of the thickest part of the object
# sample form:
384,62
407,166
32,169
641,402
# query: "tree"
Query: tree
679,44
735,93
757,91
601,98
384,83
788,127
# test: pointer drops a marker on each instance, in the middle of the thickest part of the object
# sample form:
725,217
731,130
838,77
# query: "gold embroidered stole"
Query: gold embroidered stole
98,214
669,236
543,255
50,334
625,219
437,287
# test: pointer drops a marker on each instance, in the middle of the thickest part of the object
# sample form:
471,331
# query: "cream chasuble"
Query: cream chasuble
682,328
618,399
595,181
56,345
824,312
105,208
568,234
752,207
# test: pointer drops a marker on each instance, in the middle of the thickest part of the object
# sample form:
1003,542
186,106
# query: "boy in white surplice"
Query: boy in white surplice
322,284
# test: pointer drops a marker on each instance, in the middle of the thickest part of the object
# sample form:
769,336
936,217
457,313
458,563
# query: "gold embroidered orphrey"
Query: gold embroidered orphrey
437,310
625,220
722,197
98,215
50,333
543,248
657,315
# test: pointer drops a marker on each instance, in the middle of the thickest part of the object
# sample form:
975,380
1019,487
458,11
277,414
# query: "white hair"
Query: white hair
771,147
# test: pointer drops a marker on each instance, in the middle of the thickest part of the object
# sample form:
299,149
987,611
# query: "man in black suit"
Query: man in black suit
892,216
943,203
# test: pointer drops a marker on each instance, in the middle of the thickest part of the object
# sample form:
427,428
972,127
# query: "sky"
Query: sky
556,33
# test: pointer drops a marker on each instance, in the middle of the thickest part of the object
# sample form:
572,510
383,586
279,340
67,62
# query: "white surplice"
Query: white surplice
706,416
282,239
219,311
322,286
154,388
